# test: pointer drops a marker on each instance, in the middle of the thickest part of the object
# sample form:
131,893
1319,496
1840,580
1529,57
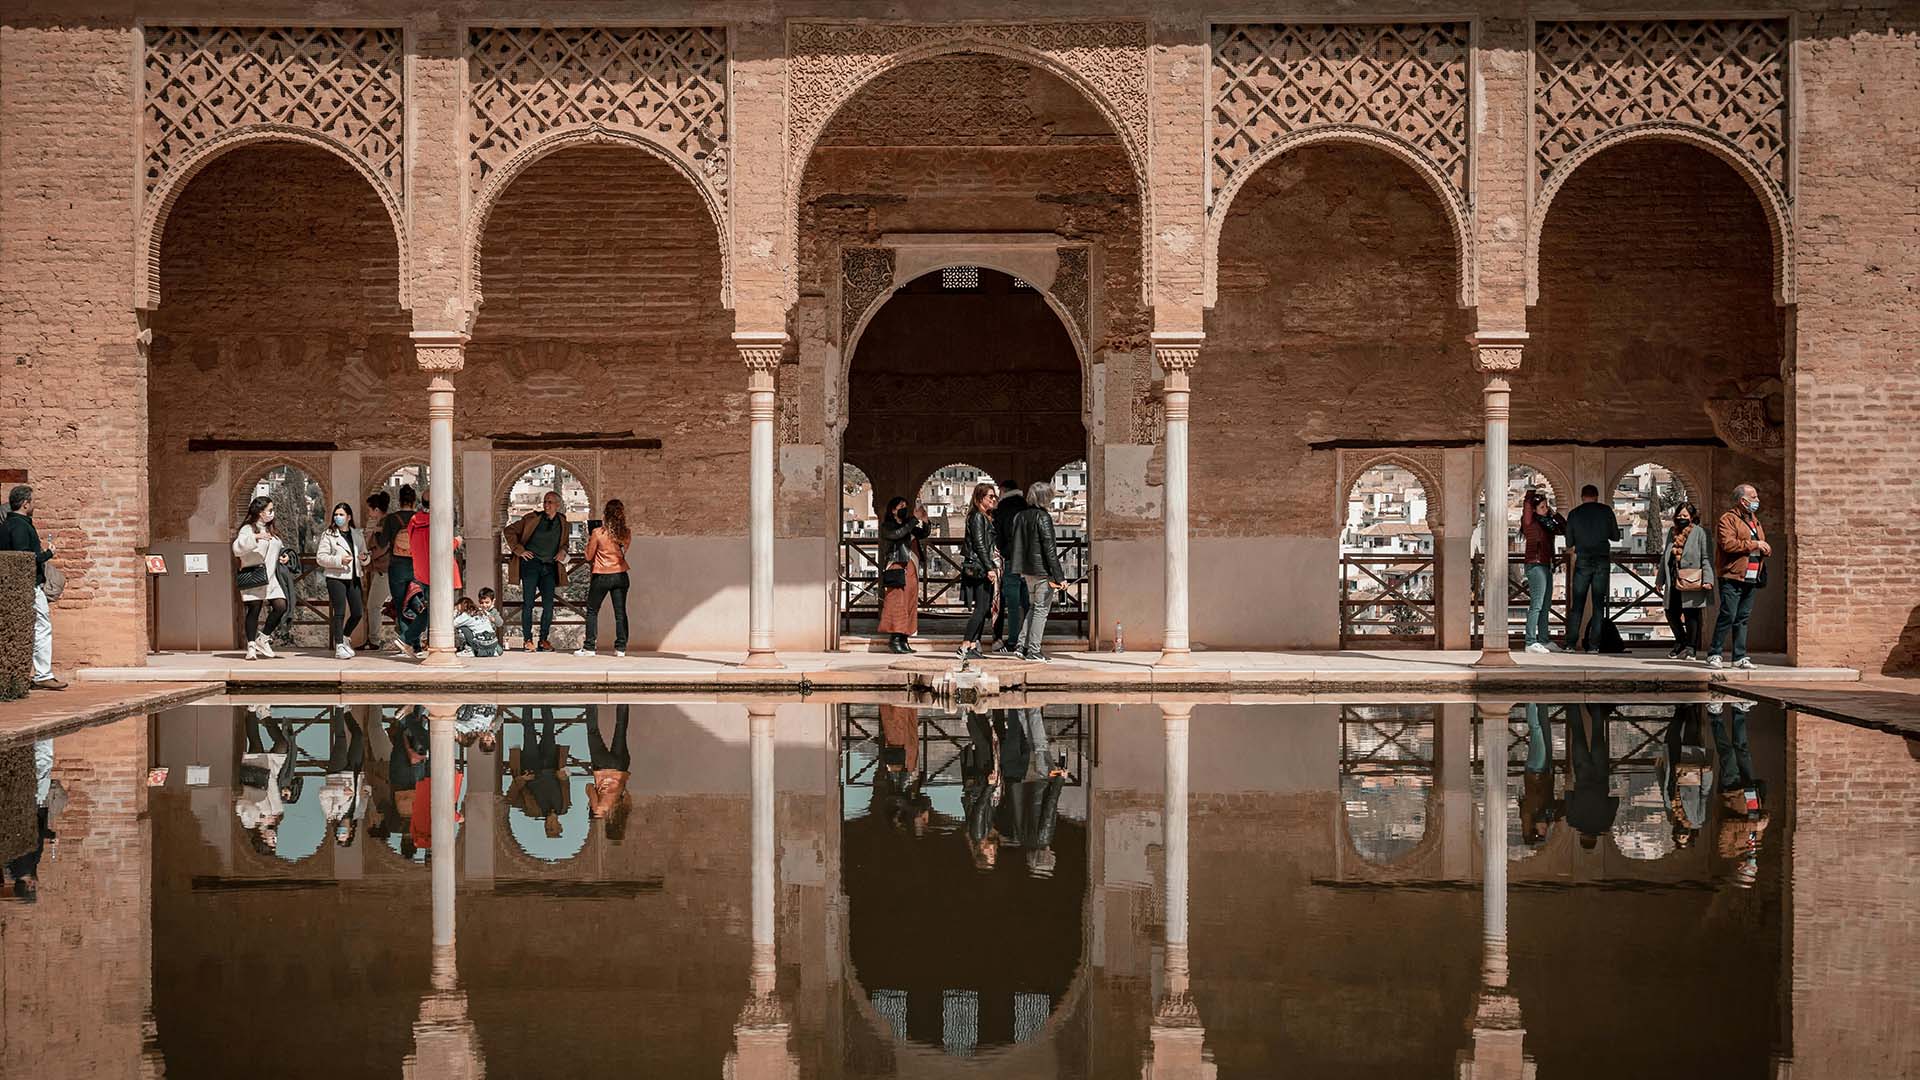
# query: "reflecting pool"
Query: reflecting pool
531,888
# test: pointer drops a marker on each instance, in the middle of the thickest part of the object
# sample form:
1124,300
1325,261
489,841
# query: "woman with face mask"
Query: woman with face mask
1685,579
261,554
342,556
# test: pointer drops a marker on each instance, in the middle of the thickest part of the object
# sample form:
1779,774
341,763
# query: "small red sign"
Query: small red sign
156,564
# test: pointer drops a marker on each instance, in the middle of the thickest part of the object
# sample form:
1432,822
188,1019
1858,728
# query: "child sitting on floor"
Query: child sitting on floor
473,633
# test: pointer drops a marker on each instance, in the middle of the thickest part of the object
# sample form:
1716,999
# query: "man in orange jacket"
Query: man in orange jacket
1742,568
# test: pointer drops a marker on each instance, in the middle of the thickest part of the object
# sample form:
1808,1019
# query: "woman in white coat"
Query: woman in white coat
342,556
261,554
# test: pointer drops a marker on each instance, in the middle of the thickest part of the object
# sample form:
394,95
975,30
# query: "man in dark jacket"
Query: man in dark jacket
1013,588
1034,556
1591,804
18,534
1591,530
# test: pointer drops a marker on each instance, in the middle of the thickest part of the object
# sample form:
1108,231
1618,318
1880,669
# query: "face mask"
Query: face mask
339,521
266,516
1682,523
1753,506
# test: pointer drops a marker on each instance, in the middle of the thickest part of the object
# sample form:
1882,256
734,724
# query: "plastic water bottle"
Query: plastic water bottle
1119,638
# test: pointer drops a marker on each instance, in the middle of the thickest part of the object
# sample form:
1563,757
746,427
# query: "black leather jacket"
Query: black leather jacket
981,556
897,537
1034,552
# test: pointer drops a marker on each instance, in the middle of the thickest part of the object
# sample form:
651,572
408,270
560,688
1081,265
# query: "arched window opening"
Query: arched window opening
527,495
946,494
858,514
1644,499
1386,777
300,516
1389,577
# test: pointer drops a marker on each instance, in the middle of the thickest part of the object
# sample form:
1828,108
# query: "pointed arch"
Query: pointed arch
1773,202
159,206
591,134
1459,219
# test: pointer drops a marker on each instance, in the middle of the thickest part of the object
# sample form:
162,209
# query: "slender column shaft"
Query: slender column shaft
441,765
1497,354
761,354
1493,743
760,727
1177,719
1177,354
440,595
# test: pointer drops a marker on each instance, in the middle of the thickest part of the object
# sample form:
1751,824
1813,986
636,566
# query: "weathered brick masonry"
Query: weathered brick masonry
620,226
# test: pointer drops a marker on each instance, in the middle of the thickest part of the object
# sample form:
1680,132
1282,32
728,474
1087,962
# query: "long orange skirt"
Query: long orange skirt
900,608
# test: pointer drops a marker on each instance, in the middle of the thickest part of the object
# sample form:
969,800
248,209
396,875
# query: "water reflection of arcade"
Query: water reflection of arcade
965,871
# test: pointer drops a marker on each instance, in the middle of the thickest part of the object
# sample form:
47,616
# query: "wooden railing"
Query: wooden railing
940,597
1640,612
1389,600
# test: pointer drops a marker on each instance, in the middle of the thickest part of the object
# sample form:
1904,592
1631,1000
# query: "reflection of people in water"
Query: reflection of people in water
1744,816
607,797
1591,807
1539,809
20,876
1032,788
899,785
266,779
477,725
344,796
420,834
538,787
980,781
407,765
1686,778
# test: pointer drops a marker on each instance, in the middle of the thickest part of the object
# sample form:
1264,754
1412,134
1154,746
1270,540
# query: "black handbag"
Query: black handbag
250,577
894,577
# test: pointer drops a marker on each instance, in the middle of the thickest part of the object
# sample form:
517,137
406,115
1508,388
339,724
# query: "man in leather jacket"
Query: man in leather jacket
1013,587
1035,557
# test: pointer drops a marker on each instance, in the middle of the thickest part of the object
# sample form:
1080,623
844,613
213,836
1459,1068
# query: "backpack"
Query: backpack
1610,640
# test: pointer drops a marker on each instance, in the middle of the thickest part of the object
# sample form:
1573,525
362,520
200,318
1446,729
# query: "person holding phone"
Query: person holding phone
902,528
1540,525
606,555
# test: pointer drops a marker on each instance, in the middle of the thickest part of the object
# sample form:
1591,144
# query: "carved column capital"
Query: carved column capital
1497,351
1177,351
440,351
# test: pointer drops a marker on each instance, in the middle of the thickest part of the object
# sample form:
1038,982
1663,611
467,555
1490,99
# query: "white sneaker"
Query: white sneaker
1745,662
253,650
463,652
343,651
1714,661
266,647
1536,647
583,652
619,652
406,650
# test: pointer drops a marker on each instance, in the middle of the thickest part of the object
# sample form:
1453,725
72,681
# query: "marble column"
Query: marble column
445,1041
1496,355
761,352
1178,1038
1499,1035
760,1033
1176,352
440,353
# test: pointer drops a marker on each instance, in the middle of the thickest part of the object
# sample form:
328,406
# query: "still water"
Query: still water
1700,888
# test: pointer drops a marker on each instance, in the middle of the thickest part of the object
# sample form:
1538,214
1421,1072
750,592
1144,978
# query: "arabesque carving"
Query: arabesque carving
866,273
1072,290
1742,424
1727,77
829,62
1408,80
201,82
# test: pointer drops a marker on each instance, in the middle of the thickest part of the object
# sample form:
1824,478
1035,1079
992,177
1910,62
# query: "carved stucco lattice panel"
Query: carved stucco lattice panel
1272,80
1724,76
1072,287
203,82
1149,410
865,274
668,83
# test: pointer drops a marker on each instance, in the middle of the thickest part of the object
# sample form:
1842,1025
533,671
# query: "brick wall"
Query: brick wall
1854,431
73,397
1856,929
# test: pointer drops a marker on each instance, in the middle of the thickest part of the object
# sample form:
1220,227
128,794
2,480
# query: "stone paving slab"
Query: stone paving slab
1877,705
1130,674
44,713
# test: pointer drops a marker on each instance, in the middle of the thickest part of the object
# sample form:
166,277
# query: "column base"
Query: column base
763,660
437,658
1496,658
1174,658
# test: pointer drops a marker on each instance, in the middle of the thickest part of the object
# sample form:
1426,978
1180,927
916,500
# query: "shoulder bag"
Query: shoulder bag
54,582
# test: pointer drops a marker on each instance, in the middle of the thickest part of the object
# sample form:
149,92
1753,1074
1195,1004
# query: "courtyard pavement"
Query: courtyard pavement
1378,671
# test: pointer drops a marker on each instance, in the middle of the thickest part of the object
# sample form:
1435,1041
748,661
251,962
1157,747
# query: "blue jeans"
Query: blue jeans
1013,609
1539,594
1736,603
537,576
1040,599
